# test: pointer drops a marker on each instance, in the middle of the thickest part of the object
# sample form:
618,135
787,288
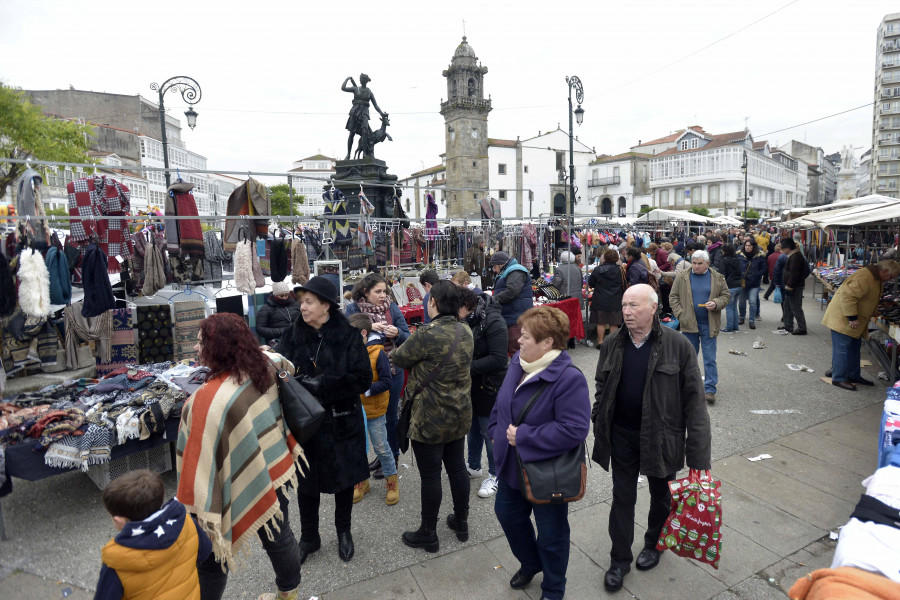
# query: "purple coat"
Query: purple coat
559,420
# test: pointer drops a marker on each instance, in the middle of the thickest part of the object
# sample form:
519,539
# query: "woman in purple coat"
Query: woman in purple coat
558,421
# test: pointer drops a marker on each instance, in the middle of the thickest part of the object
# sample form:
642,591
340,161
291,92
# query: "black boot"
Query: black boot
345,546
459,524
307,547
374,464
378,473
424,537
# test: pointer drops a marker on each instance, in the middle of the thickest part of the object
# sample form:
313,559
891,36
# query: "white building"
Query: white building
864,174
523,177
220,188
179,158
886,120
618,185
309,176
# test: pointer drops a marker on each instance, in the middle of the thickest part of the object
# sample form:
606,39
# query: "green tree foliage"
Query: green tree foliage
644,210
700,210
58,212
751,214
280,196
26,133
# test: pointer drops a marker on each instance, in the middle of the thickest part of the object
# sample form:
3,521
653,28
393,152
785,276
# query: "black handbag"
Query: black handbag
302,412
405,419
554,480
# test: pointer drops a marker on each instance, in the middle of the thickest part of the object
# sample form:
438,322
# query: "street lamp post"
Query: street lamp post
190,93
744,170
573,82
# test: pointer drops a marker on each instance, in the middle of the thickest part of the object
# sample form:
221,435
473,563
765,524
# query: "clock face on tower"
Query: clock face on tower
474,134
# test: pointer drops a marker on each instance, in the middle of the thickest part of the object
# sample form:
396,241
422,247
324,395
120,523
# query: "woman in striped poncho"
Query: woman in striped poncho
235,457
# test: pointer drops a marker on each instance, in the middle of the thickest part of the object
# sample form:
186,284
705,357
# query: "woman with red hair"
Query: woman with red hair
235,456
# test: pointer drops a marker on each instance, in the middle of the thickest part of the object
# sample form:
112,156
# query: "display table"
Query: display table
572,308
413,312
24,463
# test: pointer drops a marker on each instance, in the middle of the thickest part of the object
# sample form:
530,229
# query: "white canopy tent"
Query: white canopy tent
856,215
659,215
871,199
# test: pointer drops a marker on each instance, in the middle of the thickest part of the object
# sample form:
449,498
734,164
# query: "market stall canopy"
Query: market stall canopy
726,220
604,220
660,214
857,215
793,213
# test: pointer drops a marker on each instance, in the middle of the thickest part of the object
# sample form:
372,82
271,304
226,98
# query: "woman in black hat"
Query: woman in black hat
332,363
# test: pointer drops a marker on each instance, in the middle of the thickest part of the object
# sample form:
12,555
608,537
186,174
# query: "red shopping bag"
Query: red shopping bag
693,528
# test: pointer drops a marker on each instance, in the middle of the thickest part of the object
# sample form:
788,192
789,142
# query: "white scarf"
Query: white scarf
533,368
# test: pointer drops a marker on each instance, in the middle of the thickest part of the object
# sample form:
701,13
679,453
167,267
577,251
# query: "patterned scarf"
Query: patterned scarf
380,314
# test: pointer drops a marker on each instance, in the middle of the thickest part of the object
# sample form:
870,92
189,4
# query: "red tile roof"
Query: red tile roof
718,140
607,158
501,143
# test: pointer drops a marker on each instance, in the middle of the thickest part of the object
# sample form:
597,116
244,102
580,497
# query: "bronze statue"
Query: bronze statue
358,122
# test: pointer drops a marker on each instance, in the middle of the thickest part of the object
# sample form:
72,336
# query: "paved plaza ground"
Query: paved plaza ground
777,513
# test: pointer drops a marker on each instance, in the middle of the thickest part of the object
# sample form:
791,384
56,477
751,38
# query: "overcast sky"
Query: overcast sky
271,71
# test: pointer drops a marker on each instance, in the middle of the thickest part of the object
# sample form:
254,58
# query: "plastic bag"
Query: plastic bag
776,296
693,528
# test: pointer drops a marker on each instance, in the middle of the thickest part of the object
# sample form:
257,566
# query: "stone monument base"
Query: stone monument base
377,185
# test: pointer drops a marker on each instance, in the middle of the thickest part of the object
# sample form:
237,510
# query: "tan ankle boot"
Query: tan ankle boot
393,490
360,490
294,594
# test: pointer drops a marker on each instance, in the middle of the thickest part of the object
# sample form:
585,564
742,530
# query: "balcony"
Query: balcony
890,47
601,181
887,93
886,124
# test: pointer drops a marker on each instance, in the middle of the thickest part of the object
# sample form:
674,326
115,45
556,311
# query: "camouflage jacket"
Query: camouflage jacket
442,412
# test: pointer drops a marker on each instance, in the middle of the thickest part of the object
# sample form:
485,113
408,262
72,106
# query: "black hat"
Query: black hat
499,258
321,287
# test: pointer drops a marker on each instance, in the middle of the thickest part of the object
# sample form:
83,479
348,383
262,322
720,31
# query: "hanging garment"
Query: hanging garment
28,204
230,304
337,225
529,245
431,210
244,279
250,199
213,256
87,329
183,235
101,196
188,316
98,295
60,280
122,349
7,288
299,261
279,260
154,274
155,343
366,231
313,240
34,284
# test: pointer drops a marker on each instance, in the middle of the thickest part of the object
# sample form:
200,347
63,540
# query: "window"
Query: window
713,193
696,195
501,169
453,89
526,168
683,145
644,173
473,90
664,197
679,196
616,173
503,194
560,160
695,143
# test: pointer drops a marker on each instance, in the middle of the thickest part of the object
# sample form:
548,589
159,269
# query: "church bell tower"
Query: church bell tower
465,129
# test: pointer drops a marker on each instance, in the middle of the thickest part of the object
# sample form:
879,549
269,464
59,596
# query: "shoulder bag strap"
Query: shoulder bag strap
437,370
537,395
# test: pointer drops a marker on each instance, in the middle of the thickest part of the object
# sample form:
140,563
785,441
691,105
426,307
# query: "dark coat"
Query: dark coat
335,353
512,289
489,359
674,404
442,412
796,271
636,273
731,270
608,287
558,421
274,319
778,271
98,294
754,267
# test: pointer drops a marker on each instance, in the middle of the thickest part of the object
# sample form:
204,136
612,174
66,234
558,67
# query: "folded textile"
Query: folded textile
122,348
188,316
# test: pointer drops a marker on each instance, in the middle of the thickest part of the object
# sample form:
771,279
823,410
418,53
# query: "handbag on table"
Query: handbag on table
405,419
302,412
554,480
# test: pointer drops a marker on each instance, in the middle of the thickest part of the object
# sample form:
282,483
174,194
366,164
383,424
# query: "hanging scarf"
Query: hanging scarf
87,329
250,199
366,231
98,294
380,314
29,204
278,260
34,284
60,281
101,196
299,261
154,274
183,235
213,256
244,279
337,223
431,210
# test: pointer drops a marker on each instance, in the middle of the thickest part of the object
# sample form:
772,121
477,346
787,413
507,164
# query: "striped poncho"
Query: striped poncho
234,452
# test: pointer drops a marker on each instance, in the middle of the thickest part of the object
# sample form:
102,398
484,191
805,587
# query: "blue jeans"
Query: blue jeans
393,413
753,294
710,370
845,357
549,551
477,439
378,435
731,311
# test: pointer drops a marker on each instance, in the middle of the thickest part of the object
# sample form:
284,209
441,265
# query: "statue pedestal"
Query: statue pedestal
846,184
377,185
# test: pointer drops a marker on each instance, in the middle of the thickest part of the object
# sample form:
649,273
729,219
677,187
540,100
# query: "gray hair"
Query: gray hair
700,254
652,297
566,257
701,239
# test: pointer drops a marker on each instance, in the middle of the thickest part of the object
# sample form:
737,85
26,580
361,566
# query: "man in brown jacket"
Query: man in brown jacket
847,315
796,270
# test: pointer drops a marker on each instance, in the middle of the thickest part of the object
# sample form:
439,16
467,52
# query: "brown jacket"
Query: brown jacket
681,300
858,296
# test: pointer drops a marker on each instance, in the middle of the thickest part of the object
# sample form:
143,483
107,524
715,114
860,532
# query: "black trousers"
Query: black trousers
769,290
309,514
793,309
625,456
429,458
283,552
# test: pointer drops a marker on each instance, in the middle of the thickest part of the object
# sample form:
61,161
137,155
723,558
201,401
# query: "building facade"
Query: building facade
308,178
821,172
619,186
864,174
886,119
